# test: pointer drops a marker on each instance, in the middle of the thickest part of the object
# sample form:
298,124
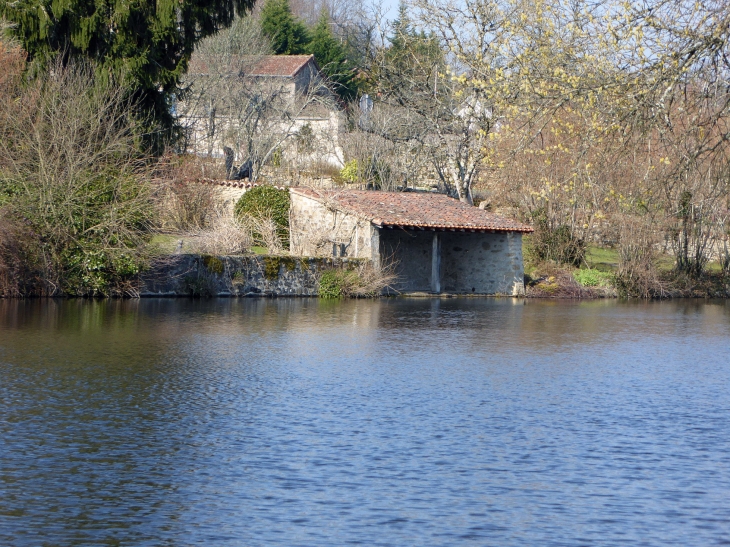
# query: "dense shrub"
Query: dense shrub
264,203
637,275
73,195
557,243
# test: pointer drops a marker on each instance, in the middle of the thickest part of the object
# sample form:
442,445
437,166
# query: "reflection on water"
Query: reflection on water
393,422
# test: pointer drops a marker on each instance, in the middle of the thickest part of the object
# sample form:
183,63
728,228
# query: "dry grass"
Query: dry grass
224,235
361,281
182,202
264,232
374,281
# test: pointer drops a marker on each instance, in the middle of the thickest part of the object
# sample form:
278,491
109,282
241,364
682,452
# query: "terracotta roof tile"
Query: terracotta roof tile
284,66
413,210
280,65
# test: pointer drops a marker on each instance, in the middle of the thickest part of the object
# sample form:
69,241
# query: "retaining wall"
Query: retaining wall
195,275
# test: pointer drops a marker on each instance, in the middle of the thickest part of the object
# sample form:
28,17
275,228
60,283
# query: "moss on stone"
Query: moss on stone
289,262
272,265
213,264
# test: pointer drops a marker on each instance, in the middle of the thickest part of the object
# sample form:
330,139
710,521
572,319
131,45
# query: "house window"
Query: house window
339,249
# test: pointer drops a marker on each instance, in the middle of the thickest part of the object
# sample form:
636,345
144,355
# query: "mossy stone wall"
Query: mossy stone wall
196,275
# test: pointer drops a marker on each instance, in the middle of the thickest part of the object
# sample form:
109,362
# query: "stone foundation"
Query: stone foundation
207,275
195,275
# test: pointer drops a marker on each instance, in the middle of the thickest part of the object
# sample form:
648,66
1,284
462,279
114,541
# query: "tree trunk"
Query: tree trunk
464,192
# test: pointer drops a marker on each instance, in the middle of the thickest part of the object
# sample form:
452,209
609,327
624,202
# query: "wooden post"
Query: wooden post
436,264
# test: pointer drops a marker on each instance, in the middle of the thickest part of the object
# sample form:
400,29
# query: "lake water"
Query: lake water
394,422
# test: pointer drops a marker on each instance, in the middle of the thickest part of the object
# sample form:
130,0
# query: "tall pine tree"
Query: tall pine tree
331,57
412,62
140,43
288,35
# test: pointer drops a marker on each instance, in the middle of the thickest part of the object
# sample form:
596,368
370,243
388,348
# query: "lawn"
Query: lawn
600,258
167,244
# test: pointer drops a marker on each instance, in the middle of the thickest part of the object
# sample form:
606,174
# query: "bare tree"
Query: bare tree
429,108
73,183
379,159
599,110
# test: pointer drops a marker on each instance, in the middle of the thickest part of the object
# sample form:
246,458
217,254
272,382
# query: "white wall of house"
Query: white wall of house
208,135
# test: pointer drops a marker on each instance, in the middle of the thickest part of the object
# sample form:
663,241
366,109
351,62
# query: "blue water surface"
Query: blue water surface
396,422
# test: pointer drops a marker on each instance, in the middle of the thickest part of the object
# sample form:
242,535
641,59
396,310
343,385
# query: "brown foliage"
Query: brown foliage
15,264
72,183
637,275
183,201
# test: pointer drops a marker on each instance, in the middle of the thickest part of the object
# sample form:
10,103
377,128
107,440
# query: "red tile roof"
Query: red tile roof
284,66
413,210
281,65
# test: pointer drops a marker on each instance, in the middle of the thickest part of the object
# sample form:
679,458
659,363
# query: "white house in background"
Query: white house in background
283,102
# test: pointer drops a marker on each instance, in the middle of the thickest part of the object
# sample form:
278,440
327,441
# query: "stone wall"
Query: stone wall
471,263
195,275
317,230
228,195
487,263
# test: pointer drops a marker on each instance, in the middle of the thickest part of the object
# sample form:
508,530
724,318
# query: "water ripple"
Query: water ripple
397,422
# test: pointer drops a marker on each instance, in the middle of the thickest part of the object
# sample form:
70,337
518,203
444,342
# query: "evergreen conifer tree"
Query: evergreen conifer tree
411,61
144,45
331,57
288,35
402,30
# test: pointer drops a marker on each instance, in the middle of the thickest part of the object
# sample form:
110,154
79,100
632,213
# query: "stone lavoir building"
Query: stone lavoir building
437,244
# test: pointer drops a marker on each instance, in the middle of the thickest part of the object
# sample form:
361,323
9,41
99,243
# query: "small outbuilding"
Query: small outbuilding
436,244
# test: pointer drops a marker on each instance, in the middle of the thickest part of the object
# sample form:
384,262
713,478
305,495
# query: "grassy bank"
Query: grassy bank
599,276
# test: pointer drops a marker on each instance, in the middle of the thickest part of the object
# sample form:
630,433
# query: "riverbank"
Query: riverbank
269,275
551,281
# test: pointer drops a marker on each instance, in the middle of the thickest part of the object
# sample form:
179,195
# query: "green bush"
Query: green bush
349,172
374,172
337,283
555,242
593,278
267,202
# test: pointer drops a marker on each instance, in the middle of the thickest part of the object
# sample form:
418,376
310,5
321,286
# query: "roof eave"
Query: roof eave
445,228
305,63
